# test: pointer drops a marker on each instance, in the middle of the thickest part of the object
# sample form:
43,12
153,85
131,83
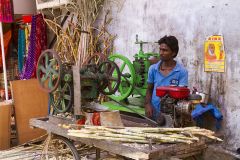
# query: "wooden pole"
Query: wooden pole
4,63
77,90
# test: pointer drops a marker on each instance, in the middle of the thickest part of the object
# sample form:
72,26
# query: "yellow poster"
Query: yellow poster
214,54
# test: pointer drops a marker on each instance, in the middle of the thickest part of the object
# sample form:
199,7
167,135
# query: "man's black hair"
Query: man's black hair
171,42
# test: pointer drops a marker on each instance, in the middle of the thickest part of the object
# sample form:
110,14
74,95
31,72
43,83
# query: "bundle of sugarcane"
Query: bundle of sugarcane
144,135
80,37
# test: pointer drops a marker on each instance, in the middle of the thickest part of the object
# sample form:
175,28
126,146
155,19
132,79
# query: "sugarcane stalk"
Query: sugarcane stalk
183,135
120,136
178,136
121,133
107,138
207,135
159,130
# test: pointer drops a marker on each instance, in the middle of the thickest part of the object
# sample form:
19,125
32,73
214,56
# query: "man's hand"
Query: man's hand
149,110
148,104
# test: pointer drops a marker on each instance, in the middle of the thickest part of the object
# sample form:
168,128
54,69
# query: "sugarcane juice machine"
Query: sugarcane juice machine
56,78
133,74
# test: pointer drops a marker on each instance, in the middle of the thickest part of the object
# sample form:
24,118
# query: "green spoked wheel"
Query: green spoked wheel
128,77
111,77
49,69
61,99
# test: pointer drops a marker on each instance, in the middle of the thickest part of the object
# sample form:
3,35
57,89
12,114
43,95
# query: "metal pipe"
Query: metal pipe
4,63
148,119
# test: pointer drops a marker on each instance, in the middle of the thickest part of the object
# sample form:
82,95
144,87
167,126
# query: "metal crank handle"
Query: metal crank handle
150,120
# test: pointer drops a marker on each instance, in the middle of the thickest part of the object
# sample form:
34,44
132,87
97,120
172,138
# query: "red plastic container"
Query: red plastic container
173,92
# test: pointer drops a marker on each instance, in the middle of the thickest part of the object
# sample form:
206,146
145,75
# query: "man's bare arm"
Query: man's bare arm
148,104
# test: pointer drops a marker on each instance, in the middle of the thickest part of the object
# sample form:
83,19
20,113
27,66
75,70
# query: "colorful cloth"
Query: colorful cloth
27,36
21,48
6,11
38,42
41,40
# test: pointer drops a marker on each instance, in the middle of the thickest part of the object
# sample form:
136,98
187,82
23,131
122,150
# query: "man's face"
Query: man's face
165,52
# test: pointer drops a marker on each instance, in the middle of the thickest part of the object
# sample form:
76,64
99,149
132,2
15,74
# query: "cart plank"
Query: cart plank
130,150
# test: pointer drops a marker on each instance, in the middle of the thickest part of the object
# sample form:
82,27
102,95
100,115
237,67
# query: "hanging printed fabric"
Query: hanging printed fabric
27,35
6,11
21,48
41,40
38,42
28,66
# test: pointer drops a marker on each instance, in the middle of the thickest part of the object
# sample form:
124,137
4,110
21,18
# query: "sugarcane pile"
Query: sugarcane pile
144,134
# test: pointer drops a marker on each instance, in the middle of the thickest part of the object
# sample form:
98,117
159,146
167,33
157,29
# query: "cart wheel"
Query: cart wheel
112,77
49,68
61,148
61,99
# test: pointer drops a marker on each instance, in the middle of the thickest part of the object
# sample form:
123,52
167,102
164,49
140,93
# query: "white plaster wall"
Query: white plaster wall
191,21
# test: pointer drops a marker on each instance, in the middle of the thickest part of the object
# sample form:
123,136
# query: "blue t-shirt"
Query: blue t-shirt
177,77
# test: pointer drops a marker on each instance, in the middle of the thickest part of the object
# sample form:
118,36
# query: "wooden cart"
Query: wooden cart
133,151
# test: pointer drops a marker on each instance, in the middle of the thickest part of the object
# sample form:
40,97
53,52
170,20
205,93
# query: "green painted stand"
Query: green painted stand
114,106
